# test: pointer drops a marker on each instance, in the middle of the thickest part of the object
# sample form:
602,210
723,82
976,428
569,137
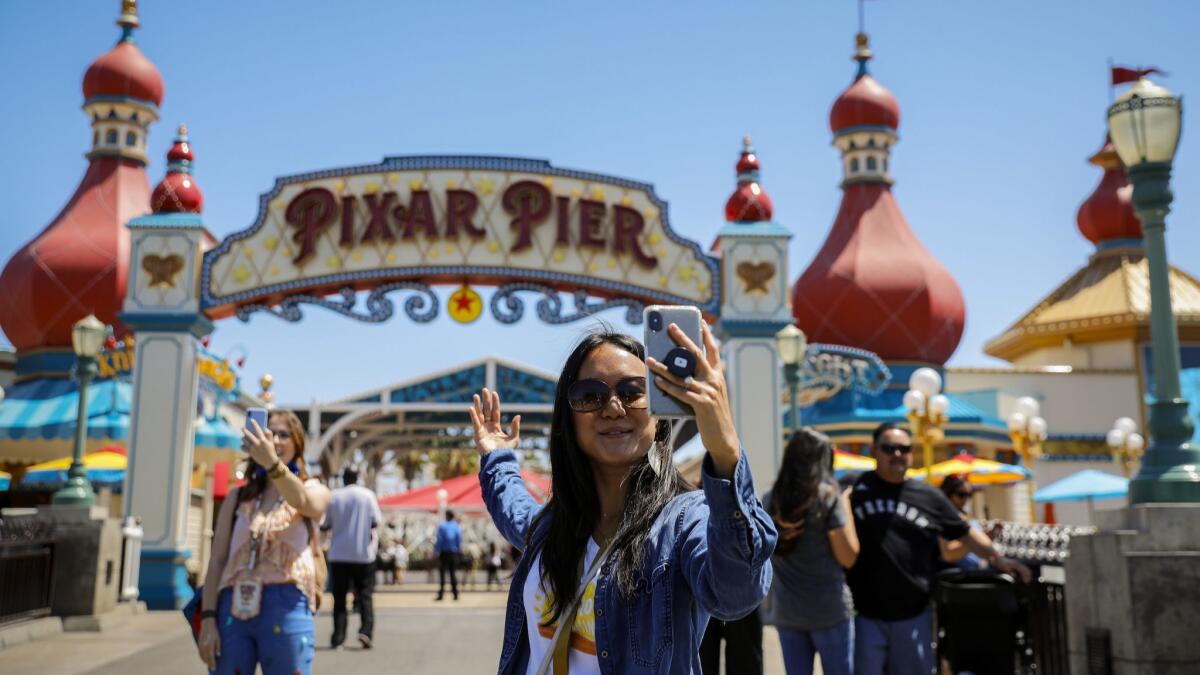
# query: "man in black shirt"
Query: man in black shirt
899,523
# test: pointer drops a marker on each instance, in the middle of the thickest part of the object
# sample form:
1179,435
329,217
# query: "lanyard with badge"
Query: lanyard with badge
247,594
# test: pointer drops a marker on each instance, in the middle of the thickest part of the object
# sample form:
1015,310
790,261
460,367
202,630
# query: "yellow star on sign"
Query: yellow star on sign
626,201
415,184
653,239
339,185
685,273
598,194
270,243
558,255
241,274
451,183
391,258
486,186
548,182
371,188
494,246
464,305
333,262
278,204
393,178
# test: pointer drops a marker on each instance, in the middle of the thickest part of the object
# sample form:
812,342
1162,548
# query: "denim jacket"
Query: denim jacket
708,554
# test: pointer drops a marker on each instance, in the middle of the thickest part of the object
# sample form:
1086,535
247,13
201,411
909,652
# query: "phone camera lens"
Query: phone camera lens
655,321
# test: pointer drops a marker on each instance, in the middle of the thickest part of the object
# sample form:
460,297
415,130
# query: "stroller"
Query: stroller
982,623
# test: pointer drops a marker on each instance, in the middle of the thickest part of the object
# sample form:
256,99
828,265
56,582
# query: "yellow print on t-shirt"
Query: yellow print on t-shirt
583,633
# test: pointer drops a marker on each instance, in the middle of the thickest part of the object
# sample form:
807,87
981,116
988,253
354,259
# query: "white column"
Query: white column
162,308
754,306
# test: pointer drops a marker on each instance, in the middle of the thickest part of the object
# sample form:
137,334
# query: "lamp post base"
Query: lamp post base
1171,465
77,492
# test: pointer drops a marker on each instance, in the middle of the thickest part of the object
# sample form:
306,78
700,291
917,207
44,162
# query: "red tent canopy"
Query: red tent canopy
462,493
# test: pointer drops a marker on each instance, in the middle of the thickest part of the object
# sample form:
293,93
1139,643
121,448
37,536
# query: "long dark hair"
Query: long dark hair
574,506
805,475
256,481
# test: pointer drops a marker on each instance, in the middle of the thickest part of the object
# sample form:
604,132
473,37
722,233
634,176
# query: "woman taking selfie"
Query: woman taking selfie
810,603
626,563
263,582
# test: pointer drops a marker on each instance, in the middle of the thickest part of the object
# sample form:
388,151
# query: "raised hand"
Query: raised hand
260,444
707,394
485,417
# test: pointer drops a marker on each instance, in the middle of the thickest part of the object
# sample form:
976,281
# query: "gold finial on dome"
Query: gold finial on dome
129,15
862,48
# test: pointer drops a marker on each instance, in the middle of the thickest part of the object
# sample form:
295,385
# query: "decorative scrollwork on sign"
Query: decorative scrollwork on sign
508,307
829,369
421,307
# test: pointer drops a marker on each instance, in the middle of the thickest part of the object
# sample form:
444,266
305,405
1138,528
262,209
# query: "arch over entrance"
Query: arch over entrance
409,223
356,239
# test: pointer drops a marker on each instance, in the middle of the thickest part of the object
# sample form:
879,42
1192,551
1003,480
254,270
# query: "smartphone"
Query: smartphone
660,345
258,415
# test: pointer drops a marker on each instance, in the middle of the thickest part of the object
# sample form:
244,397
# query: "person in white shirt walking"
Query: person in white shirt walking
352,518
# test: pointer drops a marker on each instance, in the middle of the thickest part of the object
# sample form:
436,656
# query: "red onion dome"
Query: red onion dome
178,192
874,286
1107,214
124,71
78,265
865,102
749,202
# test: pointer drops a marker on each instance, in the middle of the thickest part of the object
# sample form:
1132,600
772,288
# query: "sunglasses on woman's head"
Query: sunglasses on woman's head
893,448
591,395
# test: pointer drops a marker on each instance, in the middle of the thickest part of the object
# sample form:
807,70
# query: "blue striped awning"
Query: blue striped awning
46,409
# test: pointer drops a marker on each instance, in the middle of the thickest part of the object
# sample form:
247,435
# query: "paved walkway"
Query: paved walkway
414,635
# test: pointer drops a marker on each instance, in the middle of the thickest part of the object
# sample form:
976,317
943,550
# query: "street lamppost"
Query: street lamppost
87,337
927,408
1126,443
1144,124
791,344
1027,430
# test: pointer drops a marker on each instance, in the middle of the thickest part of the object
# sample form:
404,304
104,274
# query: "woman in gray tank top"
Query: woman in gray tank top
809,603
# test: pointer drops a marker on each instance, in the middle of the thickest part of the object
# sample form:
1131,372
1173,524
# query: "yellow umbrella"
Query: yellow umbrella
103,466
978,471
847,461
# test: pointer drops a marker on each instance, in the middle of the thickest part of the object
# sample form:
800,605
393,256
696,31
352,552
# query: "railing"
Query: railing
26,569
1044,548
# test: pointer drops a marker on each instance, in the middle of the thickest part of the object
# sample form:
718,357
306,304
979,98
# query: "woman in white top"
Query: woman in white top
266,573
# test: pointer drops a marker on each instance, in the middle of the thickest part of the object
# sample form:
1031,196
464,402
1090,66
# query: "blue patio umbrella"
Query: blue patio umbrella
1088,484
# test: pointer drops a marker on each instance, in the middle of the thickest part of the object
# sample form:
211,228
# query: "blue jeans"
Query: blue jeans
894,647
835,645
280,637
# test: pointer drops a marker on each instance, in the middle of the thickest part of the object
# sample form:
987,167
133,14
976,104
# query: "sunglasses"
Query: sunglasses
592,395
893,448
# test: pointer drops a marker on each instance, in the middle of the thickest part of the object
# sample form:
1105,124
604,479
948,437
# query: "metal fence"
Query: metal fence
26,569
1044,548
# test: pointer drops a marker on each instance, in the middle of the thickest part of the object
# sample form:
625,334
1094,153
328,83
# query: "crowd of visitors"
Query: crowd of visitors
627,568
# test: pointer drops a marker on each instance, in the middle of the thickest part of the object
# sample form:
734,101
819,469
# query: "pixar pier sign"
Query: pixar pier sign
409,222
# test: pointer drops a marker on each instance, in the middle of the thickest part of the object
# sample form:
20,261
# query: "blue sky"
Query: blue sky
1001,105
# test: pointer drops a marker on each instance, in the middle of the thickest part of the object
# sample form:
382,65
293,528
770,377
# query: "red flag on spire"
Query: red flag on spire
1121,75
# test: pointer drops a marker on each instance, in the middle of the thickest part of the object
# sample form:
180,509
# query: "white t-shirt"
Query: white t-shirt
582,655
